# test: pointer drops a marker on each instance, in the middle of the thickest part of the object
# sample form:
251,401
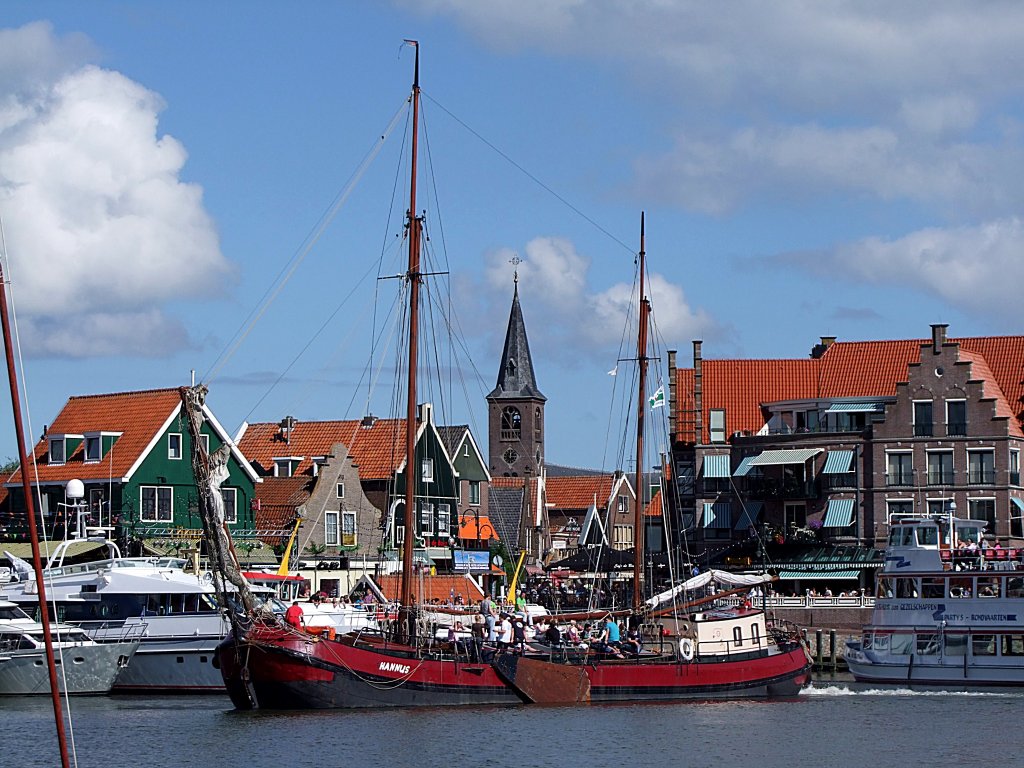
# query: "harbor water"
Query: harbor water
834,723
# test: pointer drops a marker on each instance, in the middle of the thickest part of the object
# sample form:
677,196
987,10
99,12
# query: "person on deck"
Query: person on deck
490,614
293,616
610,638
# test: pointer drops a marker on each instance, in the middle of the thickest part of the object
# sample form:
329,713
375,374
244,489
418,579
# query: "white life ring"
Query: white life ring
686,648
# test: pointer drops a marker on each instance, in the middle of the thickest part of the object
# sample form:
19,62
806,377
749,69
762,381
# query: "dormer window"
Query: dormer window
319,462
93,448
57,452
285,466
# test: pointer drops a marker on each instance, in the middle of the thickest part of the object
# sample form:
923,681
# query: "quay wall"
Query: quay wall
847,621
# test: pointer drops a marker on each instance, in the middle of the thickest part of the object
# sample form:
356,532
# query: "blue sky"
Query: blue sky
806,170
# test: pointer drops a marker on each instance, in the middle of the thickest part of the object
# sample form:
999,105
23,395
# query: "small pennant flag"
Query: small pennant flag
614,371
657,399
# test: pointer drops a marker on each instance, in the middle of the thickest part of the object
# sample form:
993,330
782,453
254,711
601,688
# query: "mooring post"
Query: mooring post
819,647
833,661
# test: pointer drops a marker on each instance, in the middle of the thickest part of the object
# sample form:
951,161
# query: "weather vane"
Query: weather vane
515,261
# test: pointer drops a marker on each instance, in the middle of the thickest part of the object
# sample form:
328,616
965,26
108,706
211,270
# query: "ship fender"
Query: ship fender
686,649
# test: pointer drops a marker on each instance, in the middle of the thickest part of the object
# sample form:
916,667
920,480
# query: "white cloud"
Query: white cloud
562,313
101,231
977,268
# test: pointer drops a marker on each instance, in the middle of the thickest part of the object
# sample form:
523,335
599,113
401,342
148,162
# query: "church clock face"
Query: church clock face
510,456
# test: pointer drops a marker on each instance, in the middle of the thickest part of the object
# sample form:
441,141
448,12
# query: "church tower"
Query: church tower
515,407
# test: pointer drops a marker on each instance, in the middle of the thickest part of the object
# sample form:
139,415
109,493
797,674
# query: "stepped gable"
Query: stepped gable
516,378
138,416
378,449
980,371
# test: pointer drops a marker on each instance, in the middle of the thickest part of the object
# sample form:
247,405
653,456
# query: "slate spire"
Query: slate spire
516,379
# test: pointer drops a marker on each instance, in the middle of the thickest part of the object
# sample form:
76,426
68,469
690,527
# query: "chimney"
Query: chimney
368,420
698,396
287,424
820,348
938,336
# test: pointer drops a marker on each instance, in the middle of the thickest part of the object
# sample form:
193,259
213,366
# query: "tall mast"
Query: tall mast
26,484
407,618
641,406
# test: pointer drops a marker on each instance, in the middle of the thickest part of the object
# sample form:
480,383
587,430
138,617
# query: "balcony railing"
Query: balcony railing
938,477
956,429
1014,478
923,430
768,488
900,480
844,480
981,476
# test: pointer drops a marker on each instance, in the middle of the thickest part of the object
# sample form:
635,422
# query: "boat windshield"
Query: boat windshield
12,612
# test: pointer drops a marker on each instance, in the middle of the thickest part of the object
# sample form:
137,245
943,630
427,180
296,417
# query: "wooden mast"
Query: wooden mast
407,615
641,407
26,484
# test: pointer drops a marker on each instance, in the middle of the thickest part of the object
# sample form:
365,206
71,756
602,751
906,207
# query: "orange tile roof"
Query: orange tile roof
379,450
578,492
468,528
507,482
137,415
440,587
277,498
654,507
846,369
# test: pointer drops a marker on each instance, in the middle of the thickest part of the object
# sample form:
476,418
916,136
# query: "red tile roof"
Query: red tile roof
578,492
440,587
139,416
654,507
846,369
277,498
379,450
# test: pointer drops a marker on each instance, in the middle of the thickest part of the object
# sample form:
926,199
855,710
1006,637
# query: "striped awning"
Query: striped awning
838,463
716,465
873,407
820,575
839,514
749,516
718,515
744,467
788,456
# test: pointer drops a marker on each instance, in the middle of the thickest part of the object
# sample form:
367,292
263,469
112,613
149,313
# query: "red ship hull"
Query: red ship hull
273,668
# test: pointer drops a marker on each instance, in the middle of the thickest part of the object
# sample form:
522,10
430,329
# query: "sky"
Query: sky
805,169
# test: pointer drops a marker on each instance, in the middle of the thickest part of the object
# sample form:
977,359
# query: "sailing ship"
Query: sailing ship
720,652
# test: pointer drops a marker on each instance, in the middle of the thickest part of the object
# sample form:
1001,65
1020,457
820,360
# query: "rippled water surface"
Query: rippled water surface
831,724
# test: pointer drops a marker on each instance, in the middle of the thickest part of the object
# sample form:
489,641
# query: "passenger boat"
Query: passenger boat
945,615
172,613
719,652
84,666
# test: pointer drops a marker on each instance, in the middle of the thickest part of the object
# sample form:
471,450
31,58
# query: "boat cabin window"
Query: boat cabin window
928,536
1013,645
906,588
737,636
960,587
932,587
983,645
907,536
969,533
955,645
755,634
989,586
901,645
13,641
927,645
884,588
1015,586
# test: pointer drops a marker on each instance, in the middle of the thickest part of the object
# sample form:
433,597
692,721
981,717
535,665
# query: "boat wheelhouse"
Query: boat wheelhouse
949,609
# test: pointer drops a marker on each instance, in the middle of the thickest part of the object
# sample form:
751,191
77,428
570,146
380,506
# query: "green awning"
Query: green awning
749,516
820,575
46,548
839,514
873,407
788,456
744,467
716,466
838,463
718,515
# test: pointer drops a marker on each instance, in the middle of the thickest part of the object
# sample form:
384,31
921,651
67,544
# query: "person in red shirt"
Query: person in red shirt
293,616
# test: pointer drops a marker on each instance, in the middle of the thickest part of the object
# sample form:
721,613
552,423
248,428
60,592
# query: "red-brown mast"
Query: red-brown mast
641,406
26,484
407,617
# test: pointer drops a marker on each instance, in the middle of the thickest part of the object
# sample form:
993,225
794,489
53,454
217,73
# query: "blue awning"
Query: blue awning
716,465
820,575
839,514
873,407
718,515
1018,503
838,463
749,516
744,467
789,456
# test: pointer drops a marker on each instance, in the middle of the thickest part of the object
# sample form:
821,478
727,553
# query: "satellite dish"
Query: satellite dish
75,489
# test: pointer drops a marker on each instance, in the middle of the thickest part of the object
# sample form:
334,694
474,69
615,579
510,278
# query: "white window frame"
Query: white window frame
973,453
62,442
233,494
716,431
928,464
172,439
426,511
340,491
332,532
972,502
444,520
622,504
348,522
1014,465
204,440
427,470
474,493
158,490
92,457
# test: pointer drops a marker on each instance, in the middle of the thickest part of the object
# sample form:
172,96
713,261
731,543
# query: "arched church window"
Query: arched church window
511,423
